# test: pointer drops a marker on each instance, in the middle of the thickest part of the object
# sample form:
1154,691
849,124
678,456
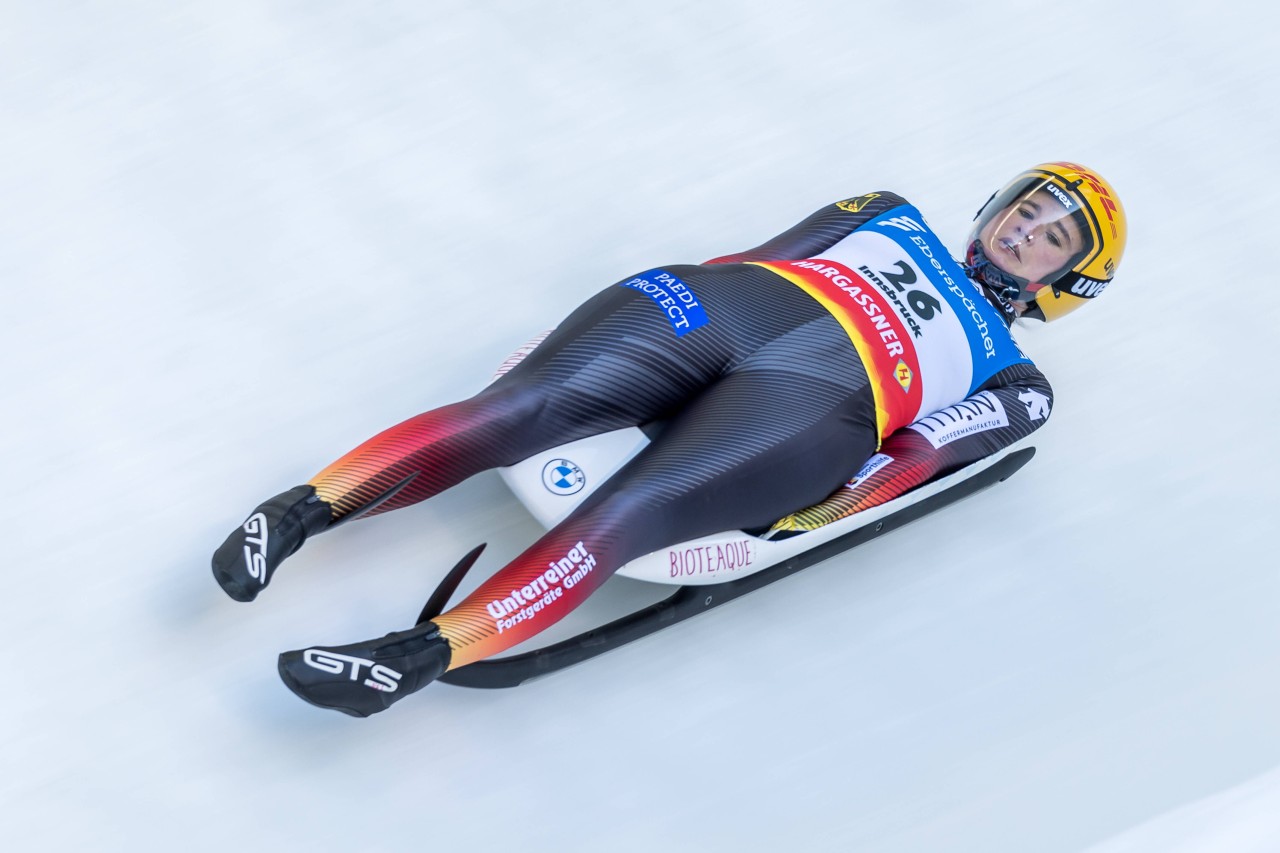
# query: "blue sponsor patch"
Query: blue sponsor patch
673,296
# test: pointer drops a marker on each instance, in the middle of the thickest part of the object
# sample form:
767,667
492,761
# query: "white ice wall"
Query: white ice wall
238,238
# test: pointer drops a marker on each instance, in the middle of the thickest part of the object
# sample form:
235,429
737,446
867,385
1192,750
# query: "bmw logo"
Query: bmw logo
562,477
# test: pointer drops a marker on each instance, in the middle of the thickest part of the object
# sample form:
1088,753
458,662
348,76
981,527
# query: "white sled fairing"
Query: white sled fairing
553,483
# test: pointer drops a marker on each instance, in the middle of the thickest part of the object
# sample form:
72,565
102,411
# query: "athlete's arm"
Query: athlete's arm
1012,404
818,232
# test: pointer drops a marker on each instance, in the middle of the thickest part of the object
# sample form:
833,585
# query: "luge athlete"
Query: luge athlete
773,375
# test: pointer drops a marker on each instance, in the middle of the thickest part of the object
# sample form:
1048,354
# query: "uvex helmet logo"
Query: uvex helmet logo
1064,199
381,677
1087,287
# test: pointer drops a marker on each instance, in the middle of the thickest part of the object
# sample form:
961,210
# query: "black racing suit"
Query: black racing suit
765,407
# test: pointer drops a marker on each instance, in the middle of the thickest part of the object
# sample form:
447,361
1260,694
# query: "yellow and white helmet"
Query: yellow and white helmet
1050,239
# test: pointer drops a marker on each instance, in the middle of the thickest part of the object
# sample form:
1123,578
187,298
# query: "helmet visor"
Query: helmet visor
1035,230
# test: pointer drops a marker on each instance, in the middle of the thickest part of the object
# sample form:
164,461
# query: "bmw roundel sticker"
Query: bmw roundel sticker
562,477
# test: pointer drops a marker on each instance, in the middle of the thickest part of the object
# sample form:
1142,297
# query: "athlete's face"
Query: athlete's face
1032,238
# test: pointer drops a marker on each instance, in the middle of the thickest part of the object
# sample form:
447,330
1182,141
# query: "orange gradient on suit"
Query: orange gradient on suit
407,463
913,463
536,590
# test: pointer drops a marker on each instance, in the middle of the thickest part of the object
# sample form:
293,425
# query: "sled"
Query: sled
707,572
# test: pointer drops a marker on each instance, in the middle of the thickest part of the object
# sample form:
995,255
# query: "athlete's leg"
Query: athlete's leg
613,363
595,373
776,434
783,430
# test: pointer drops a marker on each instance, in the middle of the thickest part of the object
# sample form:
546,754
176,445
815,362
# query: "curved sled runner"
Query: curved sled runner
778,559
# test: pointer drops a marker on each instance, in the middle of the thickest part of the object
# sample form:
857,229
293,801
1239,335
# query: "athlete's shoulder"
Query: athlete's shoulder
870,205
841,218
820,230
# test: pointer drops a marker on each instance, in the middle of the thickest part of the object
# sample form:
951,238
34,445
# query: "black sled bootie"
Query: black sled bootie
244,564
364,678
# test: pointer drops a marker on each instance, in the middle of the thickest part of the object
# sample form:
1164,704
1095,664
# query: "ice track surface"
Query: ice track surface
236,239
